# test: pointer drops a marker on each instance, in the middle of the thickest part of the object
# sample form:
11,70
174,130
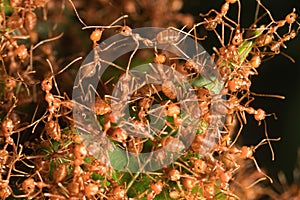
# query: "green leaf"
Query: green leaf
65,130
203,124
96,176
55,145
210,83
52,167
88,160
139,186
119,160
7,8
148,145
45,150
67,143
244,49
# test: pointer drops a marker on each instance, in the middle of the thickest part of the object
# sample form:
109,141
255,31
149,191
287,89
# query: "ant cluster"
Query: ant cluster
47,157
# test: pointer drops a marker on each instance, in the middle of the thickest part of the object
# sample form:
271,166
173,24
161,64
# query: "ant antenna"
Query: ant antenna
268,95
239,12
109,26
75,10
61,71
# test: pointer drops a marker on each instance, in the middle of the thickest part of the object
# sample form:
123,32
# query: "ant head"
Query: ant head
47,84
160,58
96,35
291,17
125,30
10,82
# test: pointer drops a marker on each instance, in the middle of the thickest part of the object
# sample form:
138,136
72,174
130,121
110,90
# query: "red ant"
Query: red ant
246,152
267,38
52,127
234,106
275,46
211,23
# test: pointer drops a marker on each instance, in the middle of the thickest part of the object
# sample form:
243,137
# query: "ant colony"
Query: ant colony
152,115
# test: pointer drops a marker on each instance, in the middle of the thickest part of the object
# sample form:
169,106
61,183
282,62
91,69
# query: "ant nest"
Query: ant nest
152,115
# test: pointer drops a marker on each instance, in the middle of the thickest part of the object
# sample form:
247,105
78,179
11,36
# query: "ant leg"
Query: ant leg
112,44
20,196
34,124
180,50
65,190
255,182
68,65
269,13
40,187
239,132
259,170
112,64
22,174
249,101
54,80
268,140
230,20
56,196
89,95
23,82
243,116
132,54
195,26
288,57
12,107
47,40
207,14
187,34
256,13
61,71
219,38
